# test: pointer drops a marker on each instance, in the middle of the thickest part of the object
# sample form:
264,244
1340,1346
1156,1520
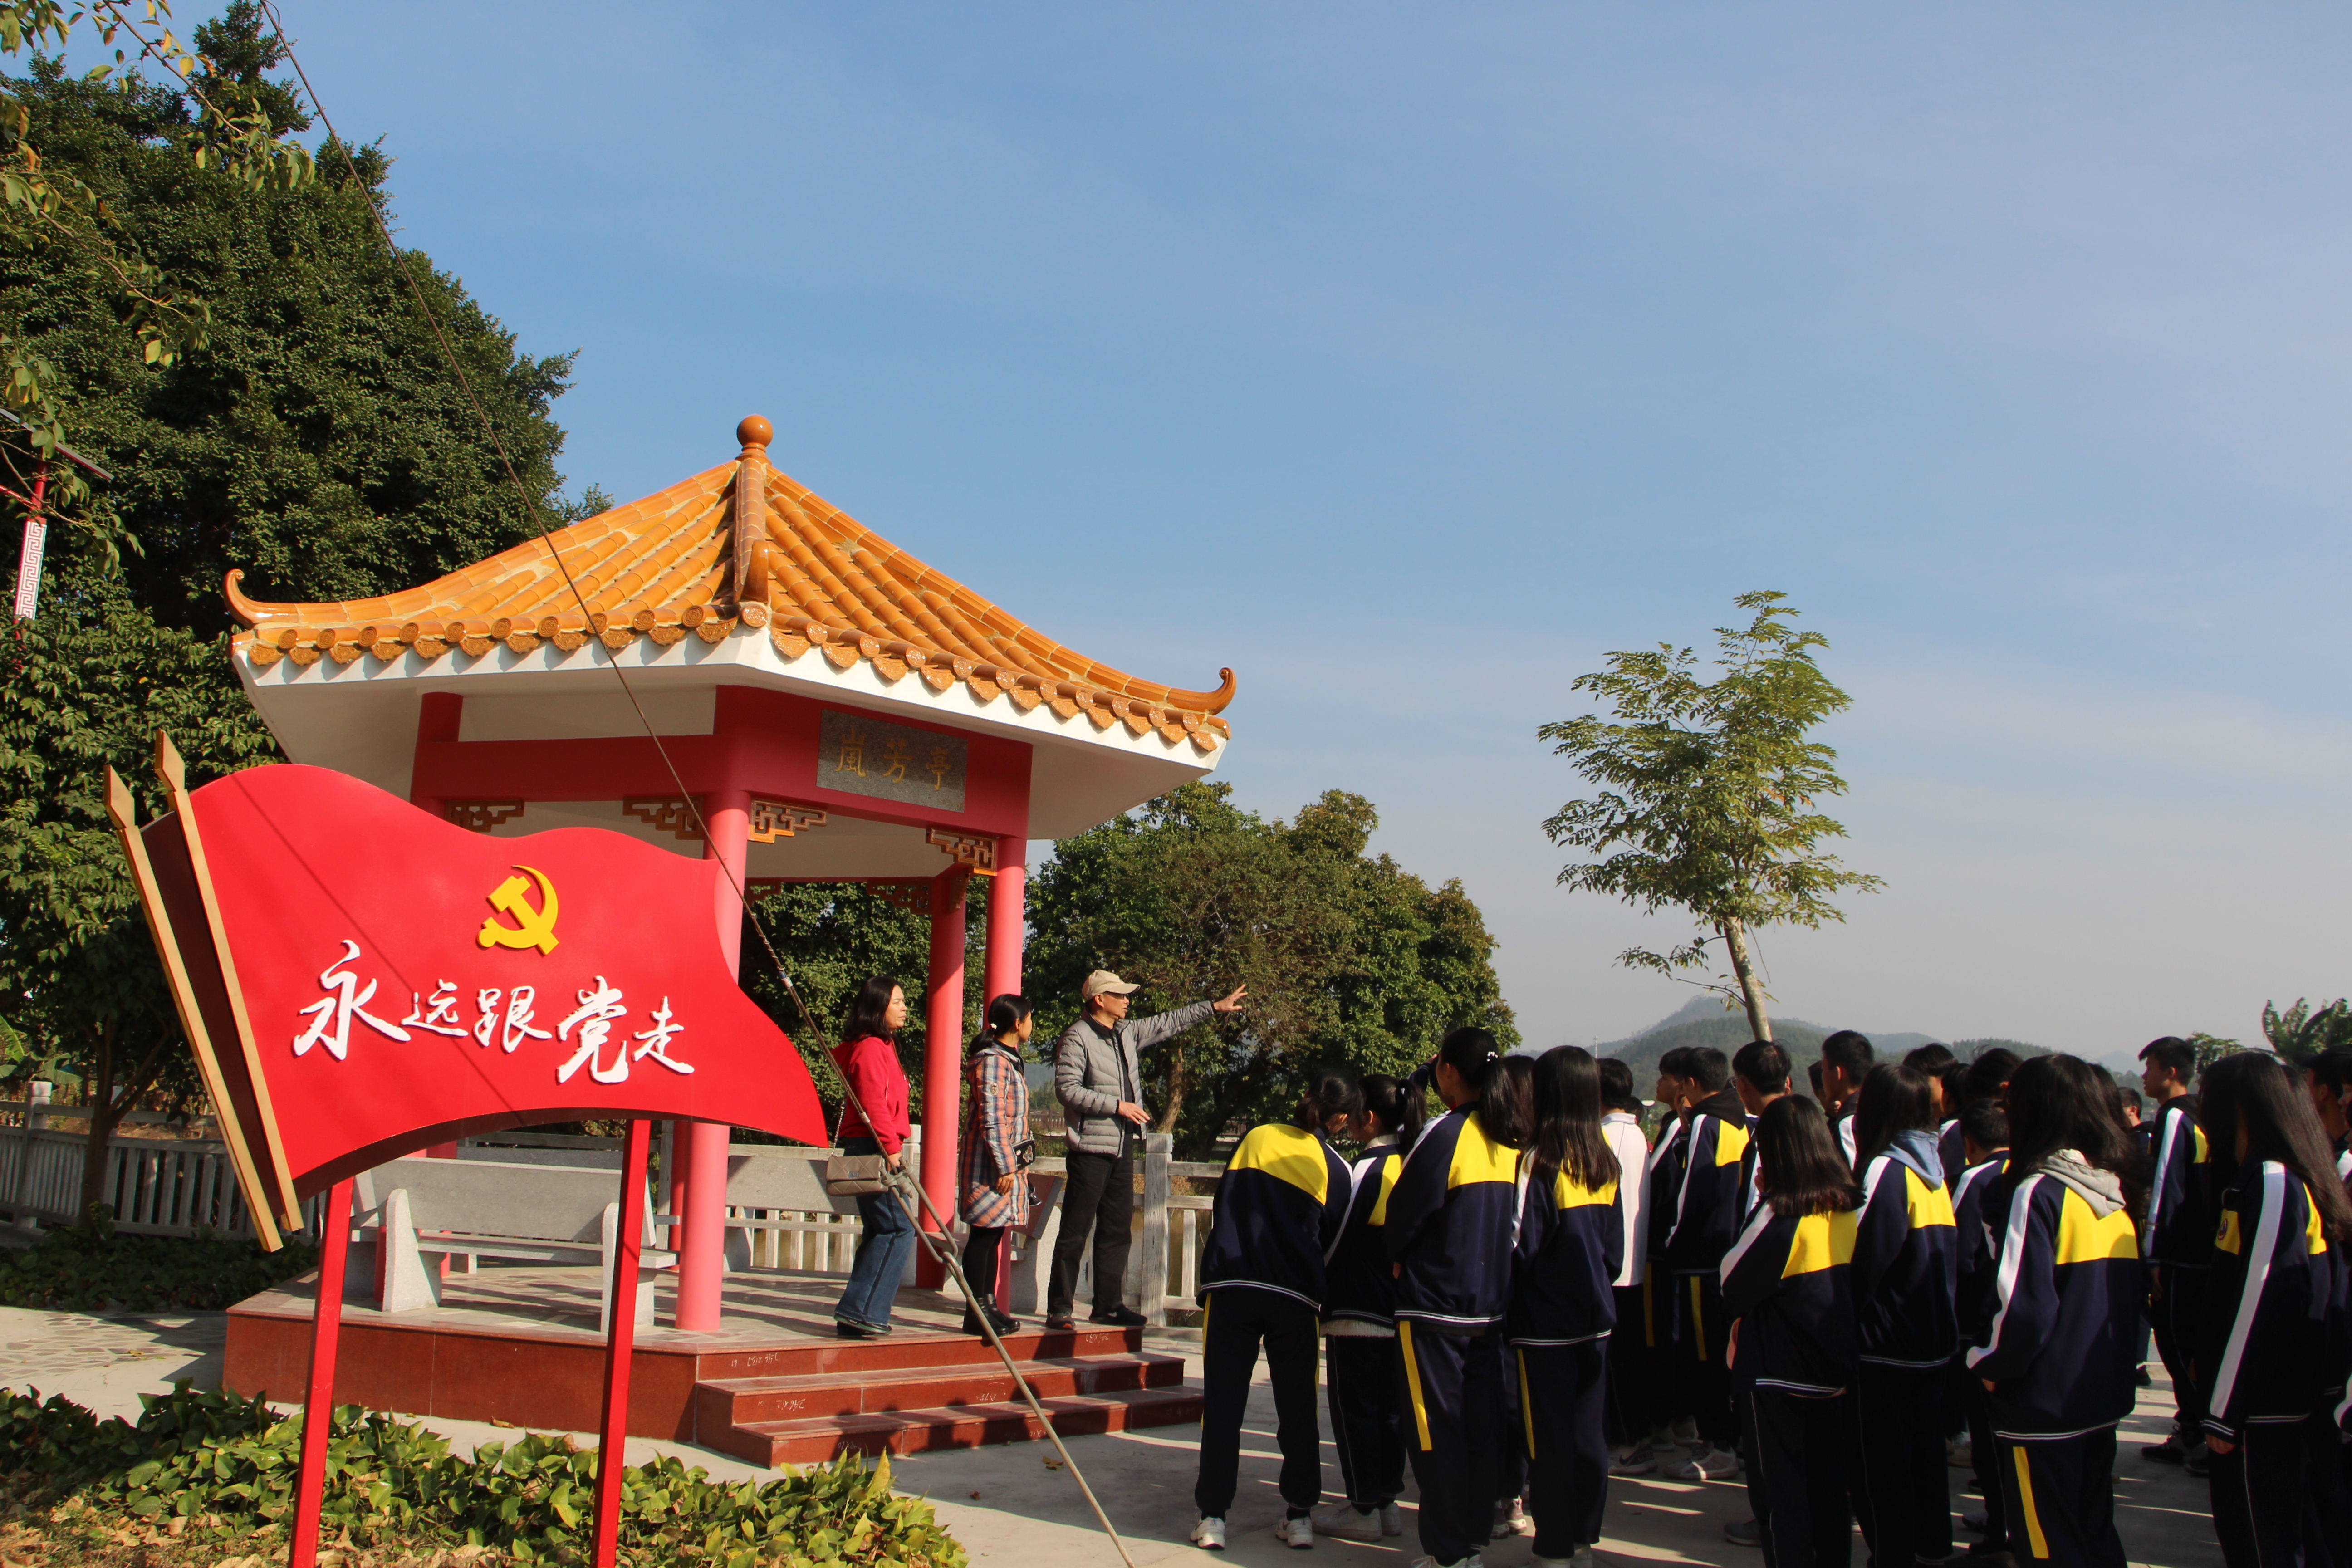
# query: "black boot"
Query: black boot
982,1302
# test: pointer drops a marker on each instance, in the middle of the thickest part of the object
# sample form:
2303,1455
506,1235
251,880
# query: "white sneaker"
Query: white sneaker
1633,1460
1340,1520
1511,1519
1710,1465
1392,1522
1298,1534
1209,1534
1472,1561
1686,1432
1581,1557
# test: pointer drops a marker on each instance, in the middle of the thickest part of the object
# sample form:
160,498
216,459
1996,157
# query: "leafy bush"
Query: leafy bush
90,1268
217,1464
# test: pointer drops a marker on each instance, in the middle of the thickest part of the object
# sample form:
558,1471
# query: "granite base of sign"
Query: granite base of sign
774,1385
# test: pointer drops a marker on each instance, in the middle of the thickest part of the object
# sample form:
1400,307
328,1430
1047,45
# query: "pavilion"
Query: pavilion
838,710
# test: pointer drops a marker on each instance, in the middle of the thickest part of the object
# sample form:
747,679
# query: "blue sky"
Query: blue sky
1410,358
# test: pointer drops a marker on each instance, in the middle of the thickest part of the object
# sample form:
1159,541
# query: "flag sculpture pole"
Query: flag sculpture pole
318,1401
620,1343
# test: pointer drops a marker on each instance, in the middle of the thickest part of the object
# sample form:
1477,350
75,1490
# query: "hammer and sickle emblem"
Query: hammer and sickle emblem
533,927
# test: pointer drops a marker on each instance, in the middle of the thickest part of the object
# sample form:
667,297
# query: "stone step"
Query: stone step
814,1441
906,1348
721,1403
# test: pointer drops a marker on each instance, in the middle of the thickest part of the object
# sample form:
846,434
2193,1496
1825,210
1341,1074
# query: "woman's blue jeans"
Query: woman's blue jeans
882,1250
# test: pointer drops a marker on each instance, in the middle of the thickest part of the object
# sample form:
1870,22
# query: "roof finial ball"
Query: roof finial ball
755,433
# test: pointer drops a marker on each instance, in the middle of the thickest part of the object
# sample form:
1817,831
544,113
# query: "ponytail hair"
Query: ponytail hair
1333,1094
1507,1103
1471,1052
1415,1109
1395,1103
1004,1016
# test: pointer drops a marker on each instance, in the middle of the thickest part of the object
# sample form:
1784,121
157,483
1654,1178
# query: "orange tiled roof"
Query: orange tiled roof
737,548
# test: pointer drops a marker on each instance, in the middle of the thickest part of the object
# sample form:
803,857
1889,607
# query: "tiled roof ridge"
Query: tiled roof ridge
813,577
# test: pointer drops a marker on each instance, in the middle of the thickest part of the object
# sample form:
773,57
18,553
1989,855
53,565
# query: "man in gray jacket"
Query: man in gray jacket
1099,1084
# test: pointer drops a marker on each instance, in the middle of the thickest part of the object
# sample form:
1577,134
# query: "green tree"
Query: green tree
2299,1033
1347,957
2211,1048
1707,792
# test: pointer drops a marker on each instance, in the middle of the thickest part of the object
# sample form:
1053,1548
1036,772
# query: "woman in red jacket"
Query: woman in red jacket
869,1058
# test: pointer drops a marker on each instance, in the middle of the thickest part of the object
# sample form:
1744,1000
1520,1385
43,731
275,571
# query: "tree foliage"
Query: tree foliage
2301,1033
1347,957
1707,792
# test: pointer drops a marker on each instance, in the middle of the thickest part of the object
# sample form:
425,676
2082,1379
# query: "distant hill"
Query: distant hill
1701,1021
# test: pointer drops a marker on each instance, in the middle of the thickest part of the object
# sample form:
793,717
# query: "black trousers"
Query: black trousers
2174,1314
1629,1415
1663,1310
2277,1496
1100,1196
1452,1387
1906,1497
1804,1448
1562,1389
1368,1416
981,1249
1236,1322
1985,1457
1698,1348
2062,1500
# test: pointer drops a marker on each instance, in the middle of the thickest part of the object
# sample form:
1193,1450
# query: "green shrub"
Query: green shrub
218,1463
91,1268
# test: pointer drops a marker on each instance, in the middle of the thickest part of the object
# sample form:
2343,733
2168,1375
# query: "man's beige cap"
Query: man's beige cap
1103,980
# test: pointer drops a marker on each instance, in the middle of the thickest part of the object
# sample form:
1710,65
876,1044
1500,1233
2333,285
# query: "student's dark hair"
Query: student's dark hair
2173,1052
1931,1058
1986,1123
1676,1063
1988,1071
1814,1072
867,1013
1803,1172
1388,1099
1953,1076
1470,1051
2127,1101
1764,1064
1893,1099
1332,1092
1850,1050
1568,1120
2332,1069
1004,1016
1617,1086
1506,1104
1709,1068
2265,1095
2064,1102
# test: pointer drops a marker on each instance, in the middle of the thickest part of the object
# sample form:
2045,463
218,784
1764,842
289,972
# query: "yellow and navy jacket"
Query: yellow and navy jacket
1449,1226
1972,1295
1571,1244
1277,1216
1907,1258
1665,1179
1706,1202
2068,1284
1787,1283
1361,1284
2271,1303
2177,1229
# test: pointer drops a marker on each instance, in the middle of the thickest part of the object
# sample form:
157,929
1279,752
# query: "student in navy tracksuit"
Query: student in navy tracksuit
1571,1241
1449,1235
2271,1352
2176,1237
2058,1357
1662,1319
1359,1345
1905,1268
1278,1213
1984,1123
1792,1347
1704,1219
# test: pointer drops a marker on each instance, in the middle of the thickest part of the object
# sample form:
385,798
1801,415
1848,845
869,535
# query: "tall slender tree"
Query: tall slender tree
1707,792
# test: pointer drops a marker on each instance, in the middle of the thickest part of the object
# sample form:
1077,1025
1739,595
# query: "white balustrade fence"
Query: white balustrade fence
156,1187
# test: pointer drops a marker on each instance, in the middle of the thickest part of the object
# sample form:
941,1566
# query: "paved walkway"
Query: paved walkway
1013,1509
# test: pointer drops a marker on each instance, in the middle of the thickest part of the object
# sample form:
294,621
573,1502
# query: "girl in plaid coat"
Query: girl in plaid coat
995,1125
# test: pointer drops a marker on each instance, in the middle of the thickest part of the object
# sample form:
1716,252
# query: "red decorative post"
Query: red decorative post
944,1054
620,1345
319,1399
702,1256
1007,917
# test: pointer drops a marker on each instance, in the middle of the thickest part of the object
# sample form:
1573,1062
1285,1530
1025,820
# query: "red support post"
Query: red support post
1008,918
319,1399
620,1345
702,1254
942,1056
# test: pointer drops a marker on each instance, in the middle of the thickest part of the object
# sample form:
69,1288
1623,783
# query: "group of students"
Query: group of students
1525,1295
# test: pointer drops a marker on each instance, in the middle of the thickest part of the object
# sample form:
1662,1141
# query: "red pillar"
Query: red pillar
620,1345
944,1055
702,1256
318,1394
1007,918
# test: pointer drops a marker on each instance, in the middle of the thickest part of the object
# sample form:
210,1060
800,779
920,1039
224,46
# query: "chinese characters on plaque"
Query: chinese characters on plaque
859,754
502,1016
